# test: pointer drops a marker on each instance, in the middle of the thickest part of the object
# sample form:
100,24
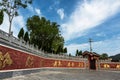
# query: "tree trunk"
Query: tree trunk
10,27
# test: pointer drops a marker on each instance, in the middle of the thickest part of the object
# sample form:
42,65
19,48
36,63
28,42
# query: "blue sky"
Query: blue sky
79,20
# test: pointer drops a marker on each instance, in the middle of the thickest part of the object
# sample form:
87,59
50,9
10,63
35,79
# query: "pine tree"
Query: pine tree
65,50
21,34
26,37
77,52
1,16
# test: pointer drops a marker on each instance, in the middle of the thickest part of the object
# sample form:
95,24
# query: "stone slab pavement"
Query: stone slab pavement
69,74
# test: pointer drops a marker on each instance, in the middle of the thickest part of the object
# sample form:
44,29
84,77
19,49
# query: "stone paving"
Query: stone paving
70,74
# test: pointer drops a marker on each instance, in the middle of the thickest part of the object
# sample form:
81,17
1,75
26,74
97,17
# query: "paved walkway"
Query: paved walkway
69,75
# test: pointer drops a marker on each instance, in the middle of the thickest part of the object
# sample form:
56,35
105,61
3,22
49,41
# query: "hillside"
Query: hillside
115,57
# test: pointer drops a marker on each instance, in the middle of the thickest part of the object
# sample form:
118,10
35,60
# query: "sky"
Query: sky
79,20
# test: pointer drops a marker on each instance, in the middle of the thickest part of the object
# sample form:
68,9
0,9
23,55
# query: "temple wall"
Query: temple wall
17,54
108,65
11,58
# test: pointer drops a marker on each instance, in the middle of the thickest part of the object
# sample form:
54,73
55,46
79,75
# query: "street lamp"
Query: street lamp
90,41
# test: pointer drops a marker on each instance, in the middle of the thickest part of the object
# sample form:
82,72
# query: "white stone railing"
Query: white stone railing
10,40
104,61
5,38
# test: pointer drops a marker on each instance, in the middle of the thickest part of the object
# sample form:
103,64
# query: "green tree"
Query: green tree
104,56
11,8
45,34
26,37
78,53
1,16
21,33
58,44
65,50
59,50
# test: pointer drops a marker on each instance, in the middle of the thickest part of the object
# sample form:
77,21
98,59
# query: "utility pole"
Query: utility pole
90,41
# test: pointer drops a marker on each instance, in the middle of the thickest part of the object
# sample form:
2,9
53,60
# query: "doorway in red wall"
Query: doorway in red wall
93,64
92,58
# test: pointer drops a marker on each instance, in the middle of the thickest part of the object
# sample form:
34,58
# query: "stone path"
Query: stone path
69,75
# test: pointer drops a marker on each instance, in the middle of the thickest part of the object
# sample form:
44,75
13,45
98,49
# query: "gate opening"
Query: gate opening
92,58
93,64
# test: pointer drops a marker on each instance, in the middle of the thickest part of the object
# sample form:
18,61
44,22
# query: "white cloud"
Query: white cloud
38,11
17,23
100,34
73,47
61,13
30,8
54,5
110,46
5,25
87,15
34,10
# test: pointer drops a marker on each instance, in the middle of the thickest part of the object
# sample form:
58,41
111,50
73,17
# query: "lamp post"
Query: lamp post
90,41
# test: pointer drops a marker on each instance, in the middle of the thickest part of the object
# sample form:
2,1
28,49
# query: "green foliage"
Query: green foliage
65,50
1,16
23,36
26,37
78,53
104,56
21,33
45,34
60,50
11,8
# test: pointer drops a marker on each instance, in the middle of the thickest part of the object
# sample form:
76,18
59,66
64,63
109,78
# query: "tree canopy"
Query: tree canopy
21,33
45,34
26,37
65,50
11,8
78,53
104,56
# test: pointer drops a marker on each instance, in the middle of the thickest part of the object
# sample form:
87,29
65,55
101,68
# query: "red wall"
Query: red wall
16,59
110,65
63,63
11,58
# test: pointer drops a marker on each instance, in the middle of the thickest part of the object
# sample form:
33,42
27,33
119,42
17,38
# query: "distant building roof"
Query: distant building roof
90,54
